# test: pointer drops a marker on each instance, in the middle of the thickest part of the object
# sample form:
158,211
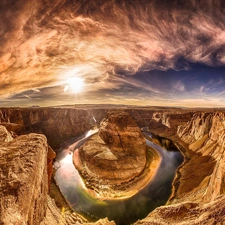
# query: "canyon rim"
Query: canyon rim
112,112
198,188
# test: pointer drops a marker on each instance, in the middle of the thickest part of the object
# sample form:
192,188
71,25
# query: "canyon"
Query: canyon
28,135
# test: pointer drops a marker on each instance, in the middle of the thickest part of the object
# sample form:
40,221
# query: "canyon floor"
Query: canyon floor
27,135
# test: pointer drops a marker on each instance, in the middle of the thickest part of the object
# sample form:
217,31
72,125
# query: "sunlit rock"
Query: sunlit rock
120,132
24,181
115,155
5,135
199,188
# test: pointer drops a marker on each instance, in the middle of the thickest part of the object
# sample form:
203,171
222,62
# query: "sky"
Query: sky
133,52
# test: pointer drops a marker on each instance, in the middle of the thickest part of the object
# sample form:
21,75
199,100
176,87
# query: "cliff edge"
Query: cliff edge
199,188
24,182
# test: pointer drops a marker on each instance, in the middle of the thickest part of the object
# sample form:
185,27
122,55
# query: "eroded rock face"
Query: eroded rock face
165,123
25,172
23,180
120,132
57,124
205,135
199,189
5,135
67,122
50,157
116,154
188,213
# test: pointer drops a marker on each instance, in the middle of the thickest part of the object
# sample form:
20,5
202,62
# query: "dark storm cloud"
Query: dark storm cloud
45,42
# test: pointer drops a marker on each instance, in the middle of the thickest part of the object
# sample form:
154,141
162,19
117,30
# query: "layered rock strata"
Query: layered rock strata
56,216
165,123
117,154
50,157
205,135
25,173
23,180
188,213
5,136
199,188
62,123
57,124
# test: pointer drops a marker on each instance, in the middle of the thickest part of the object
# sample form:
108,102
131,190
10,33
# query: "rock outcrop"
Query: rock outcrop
55,216
120,132
25,173
205,135
50,157
188,213
5,136
23,180
199,188
117,154
165,123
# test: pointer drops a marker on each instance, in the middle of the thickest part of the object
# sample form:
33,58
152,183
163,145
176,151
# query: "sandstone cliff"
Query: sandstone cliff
165,122
5,135
120,132
50,157
200,183
24,181
57,124
205,135
62,123
25,173
199,186
188,213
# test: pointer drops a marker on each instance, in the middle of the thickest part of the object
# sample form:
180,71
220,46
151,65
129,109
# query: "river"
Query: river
124,211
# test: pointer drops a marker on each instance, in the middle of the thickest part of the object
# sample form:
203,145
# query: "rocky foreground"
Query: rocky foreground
25,173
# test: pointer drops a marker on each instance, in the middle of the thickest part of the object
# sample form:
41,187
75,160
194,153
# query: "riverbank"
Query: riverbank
126,189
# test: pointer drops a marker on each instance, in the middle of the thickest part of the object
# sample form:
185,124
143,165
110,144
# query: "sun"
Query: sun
74,84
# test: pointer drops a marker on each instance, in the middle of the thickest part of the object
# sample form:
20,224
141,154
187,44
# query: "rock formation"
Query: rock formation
120,132
117,154
57,124
166,122
23,180
25,163
199,187
205,135
5,135
188,213
62,123
50,157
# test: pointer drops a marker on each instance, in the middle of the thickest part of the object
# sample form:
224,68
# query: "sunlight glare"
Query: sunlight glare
74,84
67,159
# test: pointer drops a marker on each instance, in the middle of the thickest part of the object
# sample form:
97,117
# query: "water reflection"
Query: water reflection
125,211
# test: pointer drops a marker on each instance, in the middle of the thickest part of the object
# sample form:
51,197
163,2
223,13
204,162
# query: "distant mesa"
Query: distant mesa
35,106
115,155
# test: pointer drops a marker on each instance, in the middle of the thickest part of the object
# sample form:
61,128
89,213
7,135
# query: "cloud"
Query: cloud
27,96
179,86
43,41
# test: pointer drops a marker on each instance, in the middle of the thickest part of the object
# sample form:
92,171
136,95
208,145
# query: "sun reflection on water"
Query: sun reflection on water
67,159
